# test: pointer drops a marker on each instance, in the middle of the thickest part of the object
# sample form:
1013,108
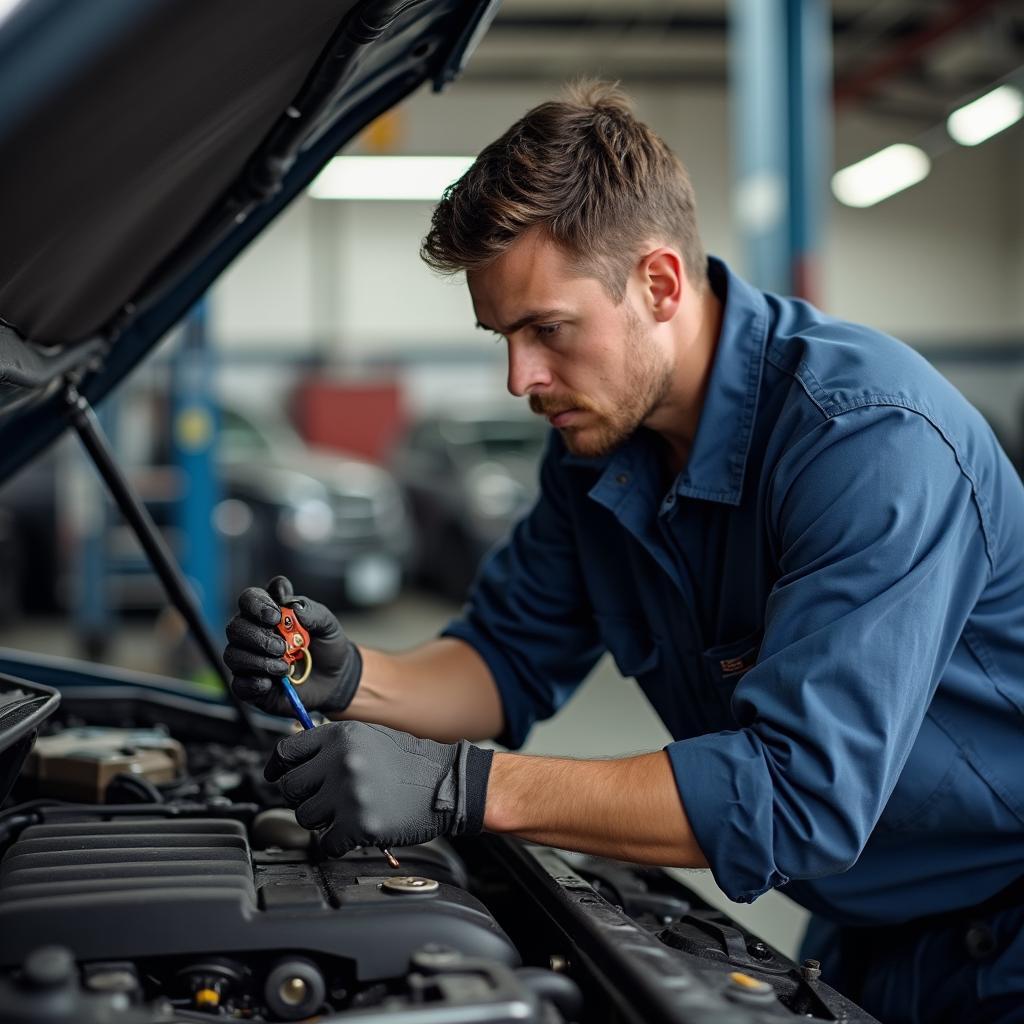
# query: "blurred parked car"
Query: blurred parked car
335,524
469,477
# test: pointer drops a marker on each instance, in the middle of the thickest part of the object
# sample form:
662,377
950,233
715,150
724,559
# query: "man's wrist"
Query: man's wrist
498,816
348,683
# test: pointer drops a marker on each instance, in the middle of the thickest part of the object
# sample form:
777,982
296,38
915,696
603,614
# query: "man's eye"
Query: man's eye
548,330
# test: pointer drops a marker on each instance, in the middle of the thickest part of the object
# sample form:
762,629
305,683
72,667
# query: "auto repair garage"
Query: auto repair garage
512,511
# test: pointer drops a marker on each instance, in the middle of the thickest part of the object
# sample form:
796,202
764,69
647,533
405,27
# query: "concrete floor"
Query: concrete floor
607,717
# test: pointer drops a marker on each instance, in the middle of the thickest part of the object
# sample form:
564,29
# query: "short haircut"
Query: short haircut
584,170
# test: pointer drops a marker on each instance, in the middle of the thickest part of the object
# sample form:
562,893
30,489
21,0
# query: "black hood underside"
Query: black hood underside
144,143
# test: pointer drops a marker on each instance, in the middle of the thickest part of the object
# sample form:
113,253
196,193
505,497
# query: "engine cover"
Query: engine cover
155,887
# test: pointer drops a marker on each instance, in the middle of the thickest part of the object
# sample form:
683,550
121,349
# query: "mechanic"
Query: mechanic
804,544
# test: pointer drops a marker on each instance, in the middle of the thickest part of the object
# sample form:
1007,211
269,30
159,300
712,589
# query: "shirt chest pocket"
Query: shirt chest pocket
631,644
725,665
728,663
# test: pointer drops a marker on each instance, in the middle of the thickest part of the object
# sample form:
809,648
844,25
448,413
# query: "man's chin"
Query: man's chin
587,443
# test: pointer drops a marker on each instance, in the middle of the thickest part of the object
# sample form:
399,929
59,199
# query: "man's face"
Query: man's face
592,367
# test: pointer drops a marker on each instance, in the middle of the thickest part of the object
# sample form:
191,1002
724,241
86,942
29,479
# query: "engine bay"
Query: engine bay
149,873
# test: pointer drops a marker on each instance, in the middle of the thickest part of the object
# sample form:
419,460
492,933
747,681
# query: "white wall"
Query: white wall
265,298
936,259
943,258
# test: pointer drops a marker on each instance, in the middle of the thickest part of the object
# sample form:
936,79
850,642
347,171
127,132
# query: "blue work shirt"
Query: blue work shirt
825,607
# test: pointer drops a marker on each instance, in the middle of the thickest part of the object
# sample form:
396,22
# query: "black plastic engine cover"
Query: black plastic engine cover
151,887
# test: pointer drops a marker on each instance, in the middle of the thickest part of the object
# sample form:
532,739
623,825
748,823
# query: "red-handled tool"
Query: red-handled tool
296,639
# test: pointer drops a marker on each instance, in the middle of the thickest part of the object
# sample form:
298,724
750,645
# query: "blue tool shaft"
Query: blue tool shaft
296,702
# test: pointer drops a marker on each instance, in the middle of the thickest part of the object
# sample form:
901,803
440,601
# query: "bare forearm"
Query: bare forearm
627,808
441,690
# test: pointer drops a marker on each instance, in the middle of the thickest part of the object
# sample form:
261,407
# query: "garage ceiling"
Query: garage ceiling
906,59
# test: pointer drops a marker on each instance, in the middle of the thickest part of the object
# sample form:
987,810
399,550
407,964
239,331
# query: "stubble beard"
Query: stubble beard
646,381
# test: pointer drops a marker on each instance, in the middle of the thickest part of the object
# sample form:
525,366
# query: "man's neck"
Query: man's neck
676,419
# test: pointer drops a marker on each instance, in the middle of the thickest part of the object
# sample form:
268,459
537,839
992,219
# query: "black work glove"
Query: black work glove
255,647
367,785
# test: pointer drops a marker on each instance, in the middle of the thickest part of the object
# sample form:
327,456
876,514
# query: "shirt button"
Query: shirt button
670,500
622,478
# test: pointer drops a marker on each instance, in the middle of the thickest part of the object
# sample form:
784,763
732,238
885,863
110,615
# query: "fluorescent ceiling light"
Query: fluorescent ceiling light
7,8
880,175
985,116
388,177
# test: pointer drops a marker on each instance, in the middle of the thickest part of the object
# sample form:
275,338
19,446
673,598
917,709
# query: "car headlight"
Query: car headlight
232,518
493,494
308,522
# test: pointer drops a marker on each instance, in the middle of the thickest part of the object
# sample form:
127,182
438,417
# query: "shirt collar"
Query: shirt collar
717,462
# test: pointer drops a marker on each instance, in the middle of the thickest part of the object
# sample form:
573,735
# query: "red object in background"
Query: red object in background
362,418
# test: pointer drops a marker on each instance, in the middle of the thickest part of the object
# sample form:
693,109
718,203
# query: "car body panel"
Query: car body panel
468,476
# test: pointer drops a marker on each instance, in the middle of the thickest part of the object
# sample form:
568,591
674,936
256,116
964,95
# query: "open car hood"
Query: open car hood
144,143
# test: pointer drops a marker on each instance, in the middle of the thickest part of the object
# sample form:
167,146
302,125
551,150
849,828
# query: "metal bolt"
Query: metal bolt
113,980
297,639
410,883
293,991
558,963
811,970
434,956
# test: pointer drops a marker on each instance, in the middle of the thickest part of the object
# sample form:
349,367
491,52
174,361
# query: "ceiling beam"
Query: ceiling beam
860,83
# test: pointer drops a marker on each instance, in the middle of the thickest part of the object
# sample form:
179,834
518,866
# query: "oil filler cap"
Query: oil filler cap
742,988
406,884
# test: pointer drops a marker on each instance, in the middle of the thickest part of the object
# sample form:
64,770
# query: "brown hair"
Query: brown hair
596,180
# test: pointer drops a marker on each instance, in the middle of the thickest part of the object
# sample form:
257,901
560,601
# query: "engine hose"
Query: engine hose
556,988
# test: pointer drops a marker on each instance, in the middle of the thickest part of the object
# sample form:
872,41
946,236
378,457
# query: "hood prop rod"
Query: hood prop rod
84,420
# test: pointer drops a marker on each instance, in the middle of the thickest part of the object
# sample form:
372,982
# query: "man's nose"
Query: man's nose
527,369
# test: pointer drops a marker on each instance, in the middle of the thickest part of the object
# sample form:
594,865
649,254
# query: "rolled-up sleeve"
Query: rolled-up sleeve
882,554
528,615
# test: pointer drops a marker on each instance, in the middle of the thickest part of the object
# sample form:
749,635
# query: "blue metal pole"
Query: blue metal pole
809,34
780,59
760,120
194,426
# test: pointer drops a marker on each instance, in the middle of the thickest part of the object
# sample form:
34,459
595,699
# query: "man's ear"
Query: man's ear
663,280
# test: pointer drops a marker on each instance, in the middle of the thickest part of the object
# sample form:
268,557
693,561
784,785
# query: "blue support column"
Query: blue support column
194,437
780,58
809,34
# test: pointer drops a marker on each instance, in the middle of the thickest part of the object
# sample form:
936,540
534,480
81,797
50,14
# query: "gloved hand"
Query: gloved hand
366,785
254,650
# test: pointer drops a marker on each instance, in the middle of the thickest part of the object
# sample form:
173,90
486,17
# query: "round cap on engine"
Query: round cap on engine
294,988
745,989
48,967
410,884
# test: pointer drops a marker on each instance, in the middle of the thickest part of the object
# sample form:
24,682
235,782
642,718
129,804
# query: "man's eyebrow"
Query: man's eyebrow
535,316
